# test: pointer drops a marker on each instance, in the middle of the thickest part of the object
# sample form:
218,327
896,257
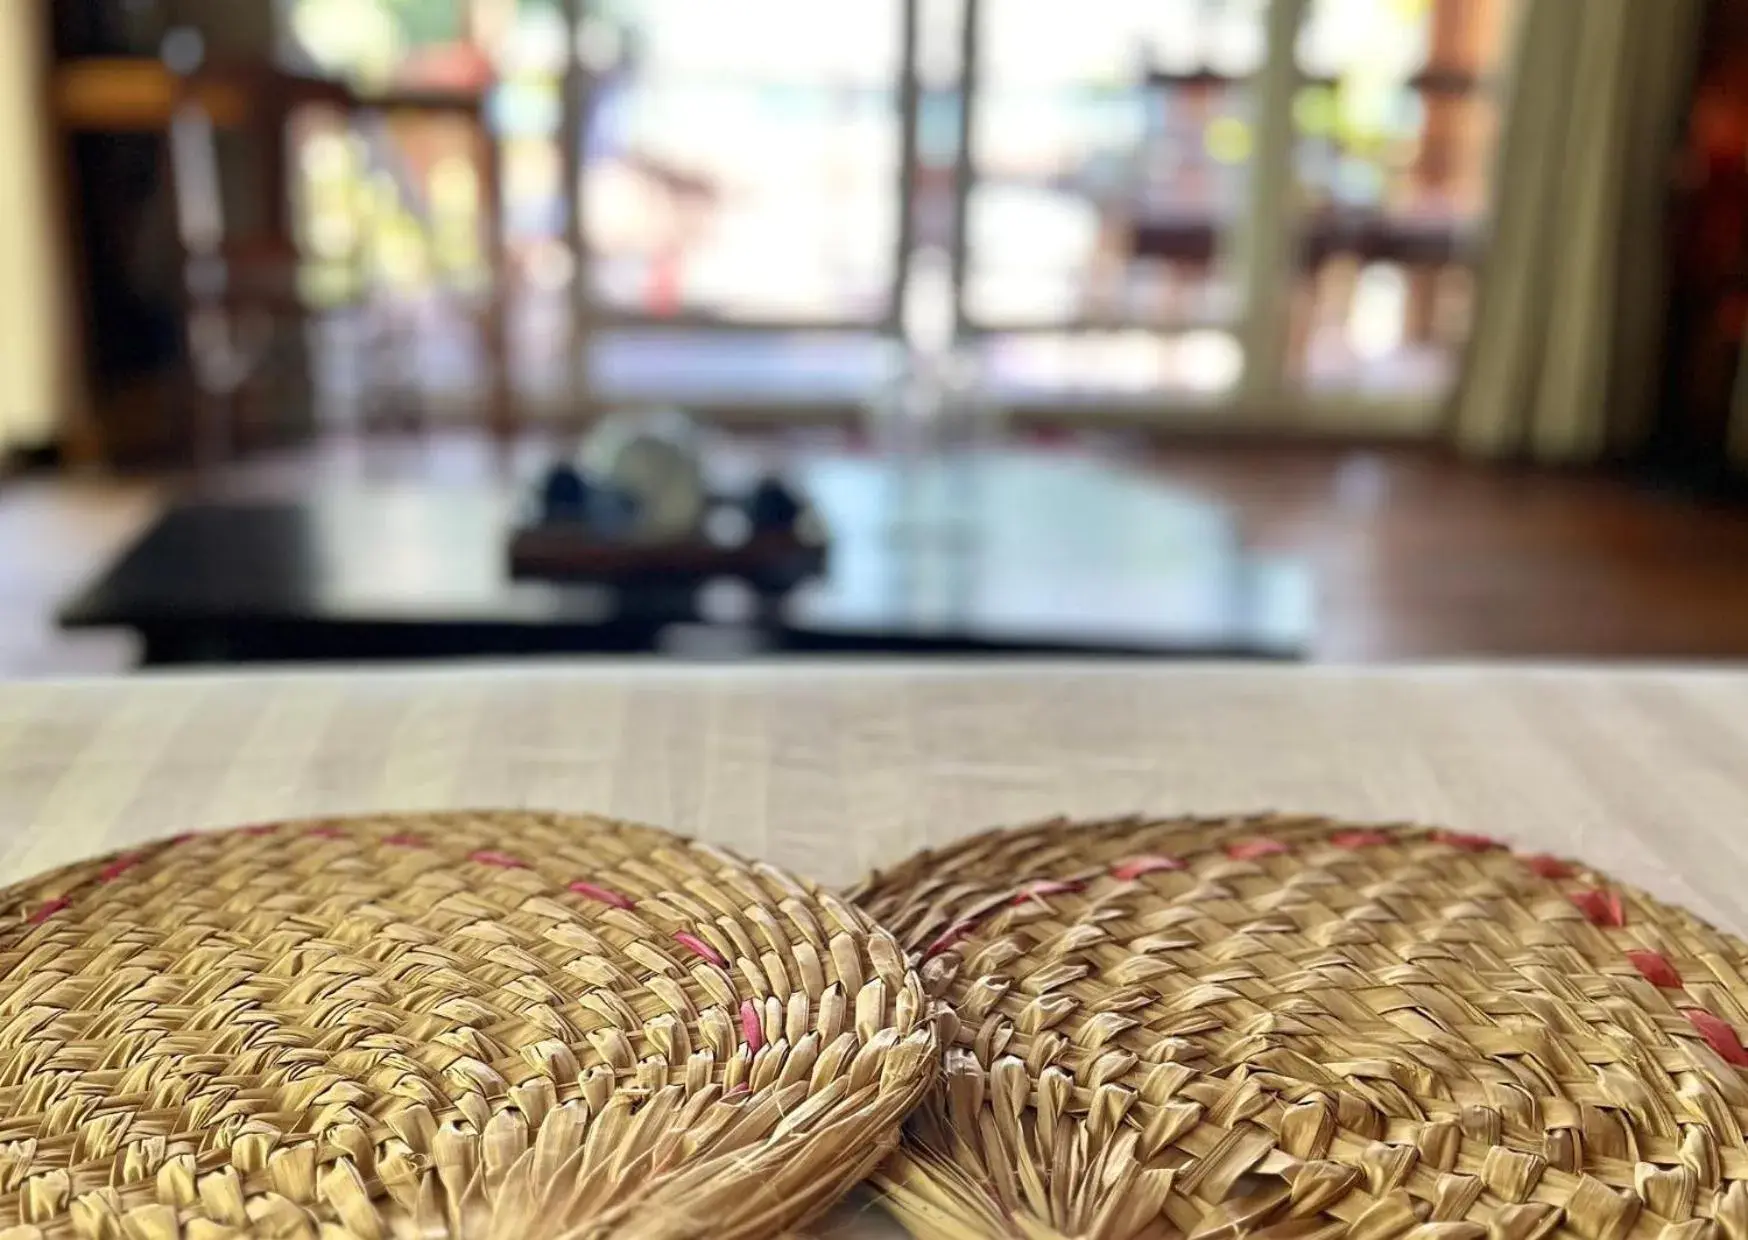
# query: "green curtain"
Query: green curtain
1562,364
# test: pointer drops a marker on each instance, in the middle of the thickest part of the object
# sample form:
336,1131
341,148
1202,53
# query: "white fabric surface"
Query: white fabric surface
830,770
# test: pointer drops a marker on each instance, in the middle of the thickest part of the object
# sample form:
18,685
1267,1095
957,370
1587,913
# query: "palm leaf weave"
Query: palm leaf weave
483,1025
1292,1029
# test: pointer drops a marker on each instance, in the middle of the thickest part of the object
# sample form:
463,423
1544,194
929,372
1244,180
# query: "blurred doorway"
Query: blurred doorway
1263,212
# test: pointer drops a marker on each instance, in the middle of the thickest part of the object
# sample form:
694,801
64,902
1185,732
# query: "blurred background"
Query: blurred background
1300,329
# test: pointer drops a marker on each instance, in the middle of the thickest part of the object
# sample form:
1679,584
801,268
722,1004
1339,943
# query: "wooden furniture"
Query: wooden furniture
1023,555
557,553
247,316
470,106
239,290
832,771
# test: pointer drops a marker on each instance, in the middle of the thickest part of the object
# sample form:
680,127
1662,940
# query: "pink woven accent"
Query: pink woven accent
265,828
949,939
326,833
1250,850
751,1027
1467,842
602,895
48,910
1723,1039
1355,840
115,869
1656,969
1603,908
699,947
504,861
405,841
1548,867
1135,867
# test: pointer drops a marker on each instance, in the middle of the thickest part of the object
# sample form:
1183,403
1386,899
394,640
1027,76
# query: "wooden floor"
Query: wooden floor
1415,556
1418,556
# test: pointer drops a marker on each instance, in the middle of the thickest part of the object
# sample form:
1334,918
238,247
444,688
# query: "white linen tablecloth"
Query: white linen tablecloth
830,770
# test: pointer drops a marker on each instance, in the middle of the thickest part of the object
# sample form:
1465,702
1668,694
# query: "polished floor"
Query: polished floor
1414,556
1417,556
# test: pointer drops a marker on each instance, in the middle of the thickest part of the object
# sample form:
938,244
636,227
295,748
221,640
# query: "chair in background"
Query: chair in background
244,297
247,315
246,289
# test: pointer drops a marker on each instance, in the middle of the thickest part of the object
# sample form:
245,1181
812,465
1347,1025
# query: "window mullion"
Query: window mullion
1266,237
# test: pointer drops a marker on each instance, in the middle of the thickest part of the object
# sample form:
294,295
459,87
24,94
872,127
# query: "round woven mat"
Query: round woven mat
483,1025
1299,1030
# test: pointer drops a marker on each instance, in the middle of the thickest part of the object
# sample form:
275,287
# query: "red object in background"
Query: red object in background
458,67
1708,254
1716,171
662,299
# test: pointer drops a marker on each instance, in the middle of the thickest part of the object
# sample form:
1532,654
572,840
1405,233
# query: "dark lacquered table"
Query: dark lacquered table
1015,553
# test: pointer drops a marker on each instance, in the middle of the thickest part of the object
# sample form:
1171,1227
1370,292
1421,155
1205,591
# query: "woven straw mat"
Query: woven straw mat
482,1025
1292,1029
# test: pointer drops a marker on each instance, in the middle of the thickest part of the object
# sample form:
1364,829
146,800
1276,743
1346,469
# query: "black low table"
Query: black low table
1016,553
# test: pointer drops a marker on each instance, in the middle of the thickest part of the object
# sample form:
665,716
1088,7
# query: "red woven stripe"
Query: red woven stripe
603,895
48,910
1358,839
1135,867
1603,908
1467,842
751,1027
1656,969
950,938
1250,850
404,841
326,833
1548,867
266,828
1049,887
699,947
503,861
115,869
1721,1037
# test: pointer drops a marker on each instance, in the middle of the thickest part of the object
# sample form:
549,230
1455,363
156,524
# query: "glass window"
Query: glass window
742,166
1396,128
1111,158
740,176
